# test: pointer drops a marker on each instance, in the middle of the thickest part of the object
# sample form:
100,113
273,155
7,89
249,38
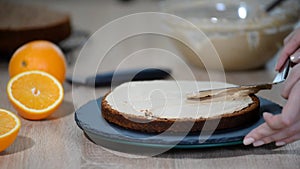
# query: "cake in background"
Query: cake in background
21,23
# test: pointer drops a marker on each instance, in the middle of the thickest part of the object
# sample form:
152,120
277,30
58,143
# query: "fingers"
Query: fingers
285,127
292,43
274,122
295,58
292,79
282,128
291,110
281,60
258,133
288,140
288,38
283,134
292,35
264,135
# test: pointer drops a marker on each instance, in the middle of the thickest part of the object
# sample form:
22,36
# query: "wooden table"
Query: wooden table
57,142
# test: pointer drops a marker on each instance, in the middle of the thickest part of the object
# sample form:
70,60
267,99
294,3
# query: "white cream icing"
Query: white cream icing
167,99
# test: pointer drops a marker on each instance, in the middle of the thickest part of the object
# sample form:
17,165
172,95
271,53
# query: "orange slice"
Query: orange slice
9,128
35,94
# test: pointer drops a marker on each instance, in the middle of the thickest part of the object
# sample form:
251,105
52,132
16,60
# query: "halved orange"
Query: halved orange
9,128
35,94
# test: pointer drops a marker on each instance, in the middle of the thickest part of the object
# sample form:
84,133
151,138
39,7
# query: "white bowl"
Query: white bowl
243,34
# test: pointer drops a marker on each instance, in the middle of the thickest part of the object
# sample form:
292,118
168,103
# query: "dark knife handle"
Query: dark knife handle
115,78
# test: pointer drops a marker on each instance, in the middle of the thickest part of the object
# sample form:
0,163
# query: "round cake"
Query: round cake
21,23
159,106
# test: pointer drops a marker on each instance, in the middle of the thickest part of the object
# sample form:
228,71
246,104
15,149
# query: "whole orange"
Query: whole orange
39,55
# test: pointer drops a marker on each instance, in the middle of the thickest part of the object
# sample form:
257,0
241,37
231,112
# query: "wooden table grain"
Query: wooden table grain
57,142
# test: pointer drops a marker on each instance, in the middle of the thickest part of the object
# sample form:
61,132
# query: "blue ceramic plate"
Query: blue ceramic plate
98,130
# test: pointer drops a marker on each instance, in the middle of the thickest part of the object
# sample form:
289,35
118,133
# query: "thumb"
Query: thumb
275,122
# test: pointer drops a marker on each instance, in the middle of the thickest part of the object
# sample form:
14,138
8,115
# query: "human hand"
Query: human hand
290,50
283,128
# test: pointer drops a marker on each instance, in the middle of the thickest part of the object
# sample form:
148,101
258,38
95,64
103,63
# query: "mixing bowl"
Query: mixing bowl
243,34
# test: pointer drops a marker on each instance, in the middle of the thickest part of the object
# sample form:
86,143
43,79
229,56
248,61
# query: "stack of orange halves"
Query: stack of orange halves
37,70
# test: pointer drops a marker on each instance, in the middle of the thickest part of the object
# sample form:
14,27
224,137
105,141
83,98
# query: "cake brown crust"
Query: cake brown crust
236,119
22,23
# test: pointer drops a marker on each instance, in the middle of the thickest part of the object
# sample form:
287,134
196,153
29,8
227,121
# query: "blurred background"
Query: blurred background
243,33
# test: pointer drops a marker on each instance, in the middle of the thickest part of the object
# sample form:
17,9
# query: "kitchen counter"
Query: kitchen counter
58,142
